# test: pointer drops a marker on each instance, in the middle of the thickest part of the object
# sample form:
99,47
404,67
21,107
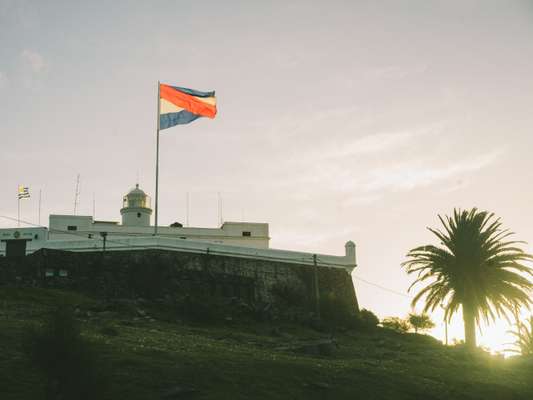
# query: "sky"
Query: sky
337,121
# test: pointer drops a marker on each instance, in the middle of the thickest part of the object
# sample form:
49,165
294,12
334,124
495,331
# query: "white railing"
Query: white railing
184,245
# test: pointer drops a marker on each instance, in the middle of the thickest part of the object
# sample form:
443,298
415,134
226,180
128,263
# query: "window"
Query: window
90,235
246,233
138,215
72,228
63,273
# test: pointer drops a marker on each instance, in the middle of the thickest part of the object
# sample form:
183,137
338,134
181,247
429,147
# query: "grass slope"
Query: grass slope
147,357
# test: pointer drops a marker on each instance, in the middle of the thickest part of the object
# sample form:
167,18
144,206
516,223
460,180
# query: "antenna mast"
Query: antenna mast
77,195
187,201
40,191
220,218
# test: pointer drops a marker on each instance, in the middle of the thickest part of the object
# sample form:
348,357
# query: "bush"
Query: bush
109,330
201,309
67,361
365,320
147,280
336,311
396,324
289,294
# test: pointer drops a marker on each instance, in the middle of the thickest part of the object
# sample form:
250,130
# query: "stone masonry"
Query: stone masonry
157,273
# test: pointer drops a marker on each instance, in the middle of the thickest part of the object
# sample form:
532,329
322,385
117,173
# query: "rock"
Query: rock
178,392
109,331
324,347
309,349
327,348
106,314
123,302
275,332
320,385
287,336
141,313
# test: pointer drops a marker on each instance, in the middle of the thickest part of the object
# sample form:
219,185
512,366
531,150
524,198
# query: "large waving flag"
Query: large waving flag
179,105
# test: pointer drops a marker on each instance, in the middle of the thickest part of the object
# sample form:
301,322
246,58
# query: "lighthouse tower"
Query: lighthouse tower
136,209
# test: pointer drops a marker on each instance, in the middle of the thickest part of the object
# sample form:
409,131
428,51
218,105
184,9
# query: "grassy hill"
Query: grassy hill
149,356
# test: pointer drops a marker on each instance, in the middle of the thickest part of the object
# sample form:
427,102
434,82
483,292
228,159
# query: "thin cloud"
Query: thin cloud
34,59
315,122
3,80
380,142
410,176
362,199
370,185
300,239
395,71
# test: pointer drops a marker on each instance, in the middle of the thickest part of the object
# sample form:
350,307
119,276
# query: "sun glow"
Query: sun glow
493,337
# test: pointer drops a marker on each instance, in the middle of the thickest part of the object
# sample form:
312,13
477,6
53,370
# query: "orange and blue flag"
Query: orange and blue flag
179,105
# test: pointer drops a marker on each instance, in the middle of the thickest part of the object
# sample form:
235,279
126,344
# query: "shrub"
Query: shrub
147,280
396,324
289,294
109,330
68,362
201,309
336,311
365,320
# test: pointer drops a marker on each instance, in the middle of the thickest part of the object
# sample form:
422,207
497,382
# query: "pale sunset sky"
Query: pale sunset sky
338,120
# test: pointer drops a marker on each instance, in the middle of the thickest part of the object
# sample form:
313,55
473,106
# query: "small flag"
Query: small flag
24,192
179,105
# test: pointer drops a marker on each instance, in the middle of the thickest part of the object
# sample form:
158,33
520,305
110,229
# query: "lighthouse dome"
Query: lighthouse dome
136,209
136,191
136,198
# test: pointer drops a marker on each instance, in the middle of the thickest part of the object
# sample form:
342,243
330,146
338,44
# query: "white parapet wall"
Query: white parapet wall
348,261
242,234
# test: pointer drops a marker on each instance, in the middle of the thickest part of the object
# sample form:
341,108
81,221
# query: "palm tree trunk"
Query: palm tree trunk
470,327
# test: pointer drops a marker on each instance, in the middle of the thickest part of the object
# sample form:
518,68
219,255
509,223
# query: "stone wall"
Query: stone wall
159,273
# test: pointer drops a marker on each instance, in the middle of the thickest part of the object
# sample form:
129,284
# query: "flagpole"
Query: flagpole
157,161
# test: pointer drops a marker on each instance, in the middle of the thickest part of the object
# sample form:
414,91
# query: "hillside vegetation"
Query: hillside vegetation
150,354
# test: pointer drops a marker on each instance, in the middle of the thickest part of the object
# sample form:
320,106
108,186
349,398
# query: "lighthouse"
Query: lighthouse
136,209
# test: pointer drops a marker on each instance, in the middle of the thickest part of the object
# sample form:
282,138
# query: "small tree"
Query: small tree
396,324
420,322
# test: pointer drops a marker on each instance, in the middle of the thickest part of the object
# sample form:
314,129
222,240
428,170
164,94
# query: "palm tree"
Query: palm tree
476,268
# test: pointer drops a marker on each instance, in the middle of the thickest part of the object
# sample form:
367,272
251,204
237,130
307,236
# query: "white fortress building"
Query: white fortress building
83,233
